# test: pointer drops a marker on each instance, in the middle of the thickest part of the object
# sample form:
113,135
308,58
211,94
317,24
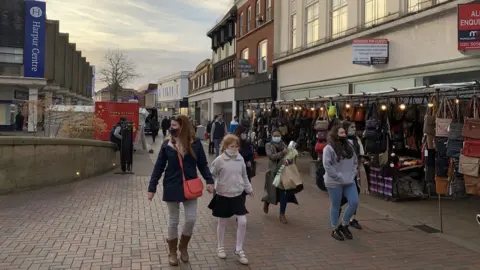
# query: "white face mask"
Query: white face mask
243,136
276,139
231,152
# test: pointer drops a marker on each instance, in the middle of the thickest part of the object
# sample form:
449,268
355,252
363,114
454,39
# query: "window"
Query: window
375,11
293,23
262,57
249,19
257,13
244,55
268,10
414,5
339,18
241,24
312,24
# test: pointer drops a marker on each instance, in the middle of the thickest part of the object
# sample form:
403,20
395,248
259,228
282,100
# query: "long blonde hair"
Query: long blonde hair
228,140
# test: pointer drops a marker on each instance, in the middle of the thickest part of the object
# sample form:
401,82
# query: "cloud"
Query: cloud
160,36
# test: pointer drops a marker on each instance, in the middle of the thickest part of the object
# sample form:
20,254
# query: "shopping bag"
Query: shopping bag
290,177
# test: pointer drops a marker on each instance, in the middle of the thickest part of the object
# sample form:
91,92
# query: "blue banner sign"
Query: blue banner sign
34,50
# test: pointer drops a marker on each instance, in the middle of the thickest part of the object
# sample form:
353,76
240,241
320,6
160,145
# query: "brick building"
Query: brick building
255,78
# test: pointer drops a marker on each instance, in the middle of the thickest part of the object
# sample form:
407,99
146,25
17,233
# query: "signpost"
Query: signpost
370,51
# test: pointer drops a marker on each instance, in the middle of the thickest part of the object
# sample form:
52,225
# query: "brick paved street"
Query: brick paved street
107,223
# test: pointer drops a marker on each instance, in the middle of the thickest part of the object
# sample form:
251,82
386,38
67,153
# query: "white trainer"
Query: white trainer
242,258
221,253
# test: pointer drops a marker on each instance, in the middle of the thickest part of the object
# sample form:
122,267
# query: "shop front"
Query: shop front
399,54
200,106
12,102
223,102
254,91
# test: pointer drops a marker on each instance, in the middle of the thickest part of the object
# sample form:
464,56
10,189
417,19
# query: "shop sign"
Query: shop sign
244,66
21,95
370,51
468,27
34,58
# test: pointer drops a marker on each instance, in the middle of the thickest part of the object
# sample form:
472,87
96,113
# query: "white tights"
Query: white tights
241,230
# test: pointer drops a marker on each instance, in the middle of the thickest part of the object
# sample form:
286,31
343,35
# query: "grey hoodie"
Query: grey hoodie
338,174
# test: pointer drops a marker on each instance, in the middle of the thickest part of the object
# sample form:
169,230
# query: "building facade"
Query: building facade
39,66
200,92
256,80
348,46
224,58
172,93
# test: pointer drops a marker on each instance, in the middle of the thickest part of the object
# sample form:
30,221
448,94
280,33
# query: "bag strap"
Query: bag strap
180,160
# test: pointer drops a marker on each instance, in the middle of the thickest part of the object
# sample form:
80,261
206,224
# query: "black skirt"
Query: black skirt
225,207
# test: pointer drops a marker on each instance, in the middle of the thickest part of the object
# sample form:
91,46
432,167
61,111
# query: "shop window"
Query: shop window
258,22
312,24
293,35
249,19
268,10
262,56
244,55
375,12
339,18
241,24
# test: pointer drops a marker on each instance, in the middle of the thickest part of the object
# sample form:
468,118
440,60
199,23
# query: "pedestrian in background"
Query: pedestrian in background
179,157
165,126
340,163
276,151
219,130
211,149
231,180
247,153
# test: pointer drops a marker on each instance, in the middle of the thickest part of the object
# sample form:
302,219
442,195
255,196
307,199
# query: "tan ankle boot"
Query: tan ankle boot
172,252
183,248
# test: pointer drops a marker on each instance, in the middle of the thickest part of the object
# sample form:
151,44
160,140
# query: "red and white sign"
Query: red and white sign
110,113
370,51
468,27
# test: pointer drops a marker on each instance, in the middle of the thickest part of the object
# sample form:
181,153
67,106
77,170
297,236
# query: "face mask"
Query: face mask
243,136
231,152
351,133
342,139
276,139
173,132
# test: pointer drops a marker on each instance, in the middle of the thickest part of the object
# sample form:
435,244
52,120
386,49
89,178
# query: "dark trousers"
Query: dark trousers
154,135
164,131
283,199
211,148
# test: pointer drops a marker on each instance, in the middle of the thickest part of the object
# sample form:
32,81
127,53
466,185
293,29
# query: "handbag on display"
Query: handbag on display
471,148
471,126
348,112
322,121
472,185
456,126
332,111
359,115
429,120
444,118
411,115
469,166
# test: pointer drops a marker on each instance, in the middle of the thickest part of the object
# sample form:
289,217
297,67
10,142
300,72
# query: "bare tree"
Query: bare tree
117,70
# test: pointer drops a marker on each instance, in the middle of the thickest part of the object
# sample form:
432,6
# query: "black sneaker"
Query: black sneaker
354,223
345,231
337,234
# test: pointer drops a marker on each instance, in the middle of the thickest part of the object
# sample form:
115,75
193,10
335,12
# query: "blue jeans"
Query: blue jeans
216,145
335,195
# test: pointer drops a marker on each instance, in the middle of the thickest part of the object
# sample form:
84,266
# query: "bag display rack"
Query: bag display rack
420,142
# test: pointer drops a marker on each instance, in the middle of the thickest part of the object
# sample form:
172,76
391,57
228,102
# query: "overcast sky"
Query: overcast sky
160,36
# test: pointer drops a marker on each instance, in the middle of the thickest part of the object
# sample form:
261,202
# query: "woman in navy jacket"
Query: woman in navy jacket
182,140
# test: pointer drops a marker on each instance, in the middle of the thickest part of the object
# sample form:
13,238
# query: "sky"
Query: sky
160,36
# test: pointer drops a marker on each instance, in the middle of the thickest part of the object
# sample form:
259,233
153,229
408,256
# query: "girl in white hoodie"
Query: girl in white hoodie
231,180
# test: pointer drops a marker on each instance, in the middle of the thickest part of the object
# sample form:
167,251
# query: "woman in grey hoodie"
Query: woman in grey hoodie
340,163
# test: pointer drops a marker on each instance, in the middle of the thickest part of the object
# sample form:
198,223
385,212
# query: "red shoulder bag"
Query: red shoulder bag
192,188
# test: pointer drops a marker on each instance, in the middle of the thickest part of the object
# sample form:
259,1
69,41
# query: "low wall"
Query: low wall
33,162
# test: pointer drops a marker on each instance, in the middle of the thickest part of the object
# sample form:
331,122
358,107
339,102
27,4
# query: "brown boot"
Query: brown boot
172,252
283,219
183,247
265,207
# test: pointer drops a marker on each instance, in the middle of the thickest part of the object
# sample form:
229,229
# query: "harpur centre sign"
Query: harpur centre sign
34,50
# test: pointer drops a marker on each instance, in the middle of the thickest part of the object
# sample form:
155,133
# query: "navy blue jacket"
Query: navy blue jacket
246,151
168,162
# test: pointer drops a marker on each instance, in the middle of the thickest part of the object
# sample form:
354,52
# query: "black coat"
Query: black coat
168,162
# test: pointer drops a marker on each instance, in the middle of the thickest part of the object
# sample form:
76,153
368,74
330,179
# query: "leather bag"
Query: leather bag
472,185
471,127
444,118
322,121
359,115
192,188
471,148
469,166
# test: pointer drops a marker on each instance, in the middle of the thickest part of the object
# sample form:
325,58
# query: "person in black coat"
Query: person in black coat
181,143
165,126
246,151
